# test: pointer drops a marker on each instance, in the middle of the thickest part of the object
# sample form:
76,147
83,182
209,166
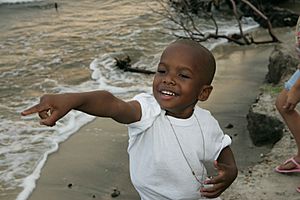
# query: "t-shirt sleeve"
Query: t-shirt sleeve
150,110
222,140
216,140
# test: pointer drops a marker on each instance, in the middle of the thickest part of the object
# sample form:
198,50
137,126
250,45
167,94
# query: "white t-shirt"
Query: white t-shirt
158,168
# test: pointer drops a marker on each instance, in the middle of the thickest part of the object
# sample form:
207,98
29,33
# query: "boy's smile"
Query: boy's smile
167,94
178,84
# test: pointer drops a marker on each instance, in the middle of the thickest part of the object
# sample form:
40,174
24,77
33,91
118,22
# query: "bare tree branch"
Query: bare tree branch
239,22
274,38
185,21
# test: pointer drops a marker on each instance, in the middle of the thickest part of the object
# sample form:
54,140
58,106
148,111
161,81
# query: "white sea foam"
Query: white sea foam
110,78
49,138
62,131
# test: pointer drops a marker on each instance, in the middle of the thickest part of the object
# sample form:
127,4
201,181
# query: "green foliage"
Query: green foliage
272,89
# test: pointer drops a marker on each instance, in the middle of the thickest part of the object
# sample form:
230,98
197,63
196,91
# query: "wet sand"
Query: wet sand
94,161
90,165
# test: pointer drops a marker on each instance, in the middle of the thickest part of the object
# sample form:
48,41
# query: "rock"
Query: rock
70,185
265,125
265,128
281,63
229,126
115,193
278,17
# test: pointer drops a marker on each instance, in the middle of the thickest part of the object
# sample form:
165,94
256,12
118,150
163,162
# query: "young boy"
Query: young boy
170,138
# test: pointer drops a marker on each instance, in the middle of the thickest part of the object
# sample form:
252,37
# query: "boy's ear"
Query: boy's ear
205,92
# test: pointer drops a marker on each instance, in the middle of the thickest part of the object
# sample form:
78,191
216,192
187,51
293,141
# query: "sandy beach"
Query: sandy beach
91,163
94,161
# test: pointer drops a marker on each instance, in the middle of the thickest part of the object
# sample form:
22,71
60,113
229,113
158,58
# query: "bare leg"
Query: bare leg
292,120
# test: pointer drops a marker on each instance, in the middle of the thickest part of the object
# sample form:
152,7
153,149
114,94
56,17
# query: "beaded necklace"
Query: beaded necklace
184,155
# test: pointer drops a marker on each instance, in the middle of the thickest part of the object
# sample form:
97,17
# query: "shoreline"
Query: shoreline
94,161
260,181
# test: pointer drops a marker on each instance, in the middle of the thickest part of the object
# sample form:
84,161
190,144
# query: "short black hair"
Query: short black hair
205,55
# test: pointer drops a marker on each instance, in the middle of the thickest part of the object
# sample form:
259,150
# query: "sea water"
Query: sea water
71,49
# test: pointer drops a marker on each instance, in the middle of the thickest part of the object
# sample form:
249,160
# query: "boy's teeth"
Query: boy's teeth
168,93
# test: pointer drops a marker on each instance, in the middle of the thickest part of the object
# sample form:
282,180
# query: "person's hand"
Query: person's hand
293,98
50,109
226,175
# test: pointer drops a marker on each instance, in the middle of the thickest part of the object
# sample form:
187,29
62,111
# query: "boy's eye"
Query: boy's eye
161,71
184,76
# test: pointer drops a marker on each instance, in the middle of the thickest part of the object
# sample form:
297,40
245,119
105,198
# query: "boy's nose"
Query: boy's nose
169,80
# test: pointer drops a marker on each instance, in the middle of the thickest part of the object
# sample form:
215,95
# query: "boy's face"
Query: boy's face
177,85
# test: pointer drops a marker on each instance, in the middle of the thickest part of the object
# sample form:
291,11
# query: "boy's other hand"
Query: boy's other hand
226,175
50,109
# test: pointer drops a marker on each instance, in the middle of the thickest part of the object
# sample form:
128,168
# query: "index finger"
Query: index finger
34,109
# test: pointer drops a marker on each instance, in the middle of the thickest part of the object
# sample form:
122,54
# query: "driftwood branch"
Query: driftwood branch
184,19
124,64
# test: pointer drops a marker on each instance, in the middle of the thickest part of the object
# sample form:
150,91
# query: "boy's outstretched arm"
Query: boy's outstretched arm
227,173
52,107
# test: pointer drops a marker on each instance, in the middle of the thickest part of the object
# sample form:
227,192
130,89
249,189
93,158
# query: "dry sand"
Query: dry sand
94,161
